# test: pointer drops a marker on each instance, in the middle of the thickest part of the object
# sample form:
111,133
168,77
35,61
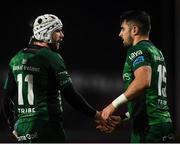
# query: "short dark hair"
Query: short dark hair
141,18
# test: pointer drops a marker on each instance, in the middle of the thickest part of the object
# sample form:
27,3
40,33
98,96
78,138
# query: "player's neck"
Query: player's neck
42,44
139,38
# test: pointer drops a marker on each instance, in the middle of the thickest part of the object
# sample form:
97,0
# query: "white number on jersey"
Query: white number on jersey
30,96
162,78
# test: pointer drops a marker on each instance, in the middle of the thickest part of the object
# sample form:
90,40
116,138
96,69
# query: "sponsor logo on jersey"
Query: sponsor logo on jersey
135,54
62,73
158,58
26,68
126,77
138,60
65,81
28,136
26,110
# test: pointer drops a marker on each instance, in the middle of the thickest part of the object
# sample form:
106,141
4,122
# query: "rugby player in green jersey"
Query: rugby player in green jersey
145,81
39,77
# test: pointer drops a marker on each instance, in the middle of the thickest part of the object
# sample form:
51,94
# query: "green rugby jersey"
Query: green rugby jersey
151,107
40,74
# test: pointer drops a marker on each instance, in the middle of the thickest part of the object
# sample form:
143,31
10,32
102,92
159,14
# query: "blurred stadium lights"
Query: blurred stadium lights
97,82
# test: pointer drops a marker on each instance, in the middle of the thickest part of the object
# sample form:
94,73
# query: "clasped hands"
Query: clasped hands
106,122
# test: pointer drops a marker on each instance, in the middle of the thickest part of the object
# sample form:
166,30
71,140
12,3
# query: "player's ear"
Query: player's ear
135,30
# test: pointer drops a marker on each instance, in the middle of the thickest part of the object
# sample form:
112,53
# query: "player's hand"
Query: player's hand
112,123
99,120
101,123
108,111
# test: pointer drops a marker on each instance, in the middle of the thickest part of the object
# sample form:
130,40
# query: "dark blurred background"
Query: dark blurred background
93,54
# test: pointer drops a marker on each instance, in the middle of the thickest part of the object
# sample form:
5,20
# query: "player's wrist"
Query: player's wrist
119,101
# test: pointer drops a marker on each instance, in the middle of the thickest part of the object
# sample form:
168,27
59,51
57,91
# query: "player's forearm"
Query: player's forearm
141,82
136,88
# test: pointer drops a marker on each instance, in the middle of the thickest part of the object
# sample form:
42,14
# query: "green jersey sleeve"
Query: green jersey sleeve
57,65
138,56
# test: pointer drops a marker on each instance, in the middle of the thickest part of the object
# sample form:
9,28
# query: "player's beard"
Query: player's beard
54,46
129,42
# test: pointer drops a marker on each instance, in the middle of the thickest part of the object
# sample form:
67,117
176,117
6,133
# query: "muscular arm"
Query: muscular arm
140,83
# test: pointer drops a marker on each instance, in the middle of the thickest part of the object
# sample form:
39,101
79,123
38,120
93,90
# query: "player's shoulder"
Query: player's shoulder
141,47
16,56
50,55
